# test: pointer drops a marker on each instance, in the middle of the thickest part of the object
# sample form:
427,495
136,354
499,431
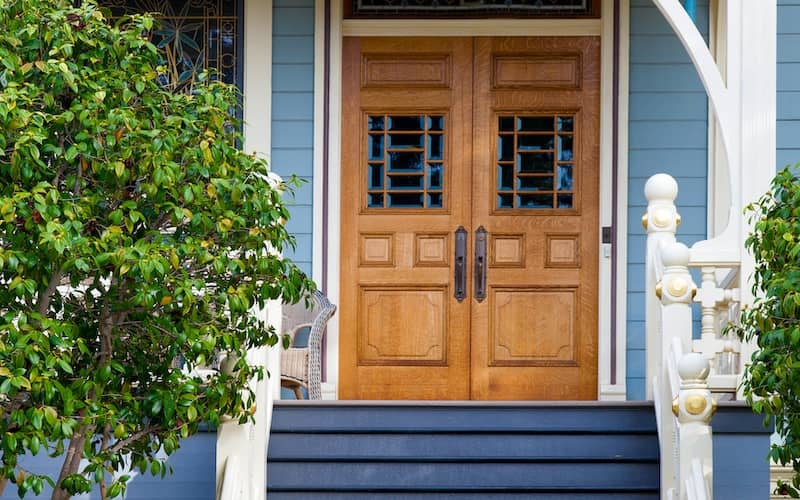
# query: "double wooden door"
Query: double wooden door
469,218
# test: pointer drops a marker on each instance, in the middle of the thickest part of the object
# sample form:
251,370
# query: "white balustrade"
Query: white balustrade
681,392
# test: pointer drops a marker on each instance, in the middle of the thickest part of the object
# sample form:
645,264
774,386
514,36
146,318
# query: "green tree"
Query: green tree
772,379
135,240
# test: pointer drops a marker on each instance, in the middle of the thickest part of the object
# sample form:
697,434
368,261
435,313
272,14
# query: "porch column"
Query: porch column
744,100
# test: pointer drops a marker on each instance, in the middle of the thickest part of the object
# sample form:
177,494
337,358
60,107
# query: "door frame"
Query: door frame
327,151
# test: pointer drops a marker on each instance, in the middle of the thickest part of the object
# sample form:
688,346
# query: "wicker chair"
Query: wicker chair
301,363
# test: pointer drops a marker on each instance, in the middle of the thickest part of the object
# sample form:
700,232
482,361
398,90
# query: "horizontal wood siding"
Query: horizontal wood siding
192,478
667,133
293,114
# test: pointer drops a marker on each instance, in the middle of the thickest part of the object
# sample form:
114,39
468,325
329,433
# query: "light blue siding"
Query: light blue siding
293,114
788,133
667,133
193,476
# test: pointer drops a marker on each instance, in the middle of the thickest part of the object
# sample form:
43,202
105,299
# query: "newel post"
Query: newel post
660,221
694,407
675,290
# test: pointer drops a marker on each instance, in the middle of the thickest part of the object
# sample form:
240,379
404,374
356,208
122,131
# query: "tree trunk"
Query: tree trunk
71,462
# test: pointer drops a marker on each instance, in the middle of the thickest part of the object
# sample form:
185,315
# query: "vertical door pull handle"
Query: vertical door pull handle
460,277
480,264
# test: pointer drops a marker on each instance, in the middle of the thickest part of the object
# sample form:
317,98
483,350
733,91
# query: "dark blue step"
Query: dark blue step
483,495
463,450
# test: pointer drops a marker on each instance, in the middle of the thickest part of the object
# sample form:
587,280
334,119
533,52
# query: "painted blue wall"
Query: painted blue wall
788,83
293,113
193,476
667,133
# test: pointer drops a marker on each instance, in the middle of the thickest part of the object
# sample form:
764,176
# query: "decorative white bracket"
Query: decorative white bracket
743,101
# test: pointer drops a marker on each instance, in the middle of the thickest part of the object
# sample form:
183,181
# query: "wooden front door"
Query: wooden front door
469,218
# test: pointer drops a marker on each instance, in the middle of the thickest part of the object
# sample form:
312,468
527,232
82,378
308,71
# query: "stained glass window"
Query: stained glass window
535,161
473,8
405,161
196,35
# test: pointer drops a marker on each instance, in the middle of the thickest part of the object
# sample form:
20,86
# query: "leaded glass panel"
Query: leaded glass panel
405,161
196,35
535,161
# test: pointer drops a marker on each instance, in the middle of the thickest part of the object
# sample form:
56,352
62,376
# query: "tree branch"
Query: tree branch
43,301
119,445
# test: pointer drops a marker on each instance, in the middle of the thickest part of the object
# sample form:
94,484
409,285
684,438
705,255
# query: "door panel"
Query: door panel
535,185
406,179
469,218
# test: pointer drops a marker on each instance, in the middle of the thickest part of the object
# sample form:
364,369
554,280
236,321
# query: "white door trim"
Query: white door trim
603,27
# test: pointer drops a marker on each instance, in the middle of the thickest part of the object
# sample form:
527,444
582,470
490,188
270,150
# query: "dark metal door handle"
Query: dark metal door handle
460,277
480,264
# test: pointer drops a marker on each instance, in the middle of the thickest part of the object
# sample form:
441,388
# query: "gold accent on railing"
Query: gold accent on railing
695,404
713,406
659,289
644,221
677,220
677,286
661,218
675,406
694,290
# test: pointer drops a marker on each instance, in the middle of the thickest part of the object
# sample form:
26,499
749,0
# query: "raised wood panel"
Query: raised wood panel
562,250
431,250
507,250
533,327
402,326
553,71
376,249
411,71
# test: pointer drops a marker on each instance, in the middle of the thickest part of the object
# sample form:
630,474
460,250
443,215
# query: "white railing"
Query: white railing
678,365
718,295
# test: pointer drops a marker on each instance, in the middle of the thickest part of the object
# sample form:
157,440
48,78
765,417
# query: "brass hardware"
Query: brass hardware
644,221
695,404
675,407
659,289
694,290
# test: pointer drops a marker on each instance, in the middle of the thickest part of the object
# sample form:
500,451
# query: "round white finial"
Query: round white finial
661,187
693,366
675,254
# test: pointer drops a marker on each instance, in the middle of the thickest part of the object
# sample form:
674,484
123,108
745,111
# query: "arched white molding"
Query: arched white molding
718,93
745,108
726,103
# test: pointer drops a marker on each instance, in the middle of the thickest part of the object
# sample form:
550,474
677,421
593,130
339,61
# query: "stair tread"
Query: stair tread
531,451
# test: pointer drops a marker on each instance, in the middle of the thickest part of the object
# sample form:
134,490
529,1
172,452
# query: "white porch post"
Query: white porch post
744,102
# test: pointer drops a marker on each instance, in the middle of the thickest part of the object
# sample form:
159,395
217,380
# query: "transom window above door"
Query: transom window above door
471,8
